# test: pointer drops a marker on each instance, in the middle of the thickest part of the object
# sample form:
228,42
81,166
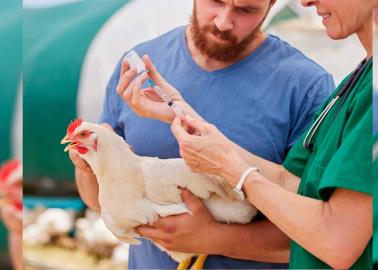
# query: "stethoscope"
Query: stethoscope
342,94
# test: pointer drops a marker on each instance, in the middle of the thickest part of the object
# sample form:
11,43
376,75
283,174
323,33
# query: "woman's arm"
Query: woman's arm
271,170
212,152
336,231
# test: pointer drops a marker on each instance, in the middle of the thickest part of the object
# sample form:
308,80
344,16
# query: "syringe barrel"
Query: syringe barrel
177,109
161,93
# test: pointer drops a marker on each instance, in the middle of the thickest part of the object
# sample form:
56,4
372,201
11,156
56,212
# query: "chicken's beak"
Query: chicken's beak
70,146
65,140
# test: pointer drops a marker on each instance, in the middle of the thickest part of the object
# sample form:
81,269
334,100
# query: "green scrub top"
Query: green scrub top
375,202
341,158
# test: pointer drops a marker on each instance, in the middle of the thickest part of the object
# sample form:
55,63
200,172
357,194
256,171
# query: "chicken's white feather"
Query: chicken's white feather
135,190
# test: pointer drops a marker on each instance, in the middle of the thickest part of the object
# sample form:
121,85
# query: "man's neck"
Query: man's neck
210,64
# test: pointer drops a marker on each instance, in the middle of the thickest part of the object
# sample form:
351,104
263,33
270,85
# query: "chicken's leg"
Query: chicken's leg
184,264
199,263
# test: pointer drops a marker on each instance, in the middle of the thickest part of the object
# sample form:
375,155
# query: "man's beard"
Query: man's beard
221,52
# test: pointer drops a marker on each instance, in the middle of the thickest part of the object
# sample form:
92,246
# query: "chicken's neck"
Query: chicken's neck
112,155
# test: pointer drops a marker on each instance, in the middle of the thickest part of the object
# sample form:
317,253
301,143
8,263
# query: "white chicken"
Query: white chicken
53,222
34,234
135,190
121,254
93,235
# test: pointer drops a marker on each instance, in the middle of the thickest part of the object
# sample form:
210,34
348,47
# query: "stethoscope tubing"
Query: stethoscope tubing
312,131
344,92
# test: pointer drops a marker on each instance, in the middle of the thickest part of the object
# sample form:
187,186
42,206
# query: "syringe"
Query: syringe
177,109
137,63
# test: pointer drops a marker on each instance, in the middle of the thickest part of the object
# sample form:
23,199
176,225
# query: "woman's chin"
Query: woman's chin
335,35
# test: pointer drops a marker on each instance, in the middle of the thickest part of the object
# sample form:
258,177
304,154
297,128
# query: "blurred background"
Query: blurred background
10,96
69,49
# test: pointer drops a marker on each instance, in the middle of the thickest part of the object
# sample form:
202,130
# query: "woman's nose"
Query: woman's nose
308,3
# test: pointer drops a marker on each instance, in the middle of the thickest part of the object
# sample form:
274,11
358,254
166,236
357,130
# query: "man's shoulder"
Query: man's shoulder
163,43
291,59
297,71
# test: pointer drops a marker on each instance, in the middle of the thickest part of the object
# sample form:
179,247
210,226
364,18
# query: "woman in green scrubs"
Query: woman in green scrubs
321,196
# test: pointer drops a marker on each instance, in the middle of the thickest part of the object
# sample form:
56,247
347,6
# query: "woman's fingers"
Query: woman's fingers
178,129
187,125
197,126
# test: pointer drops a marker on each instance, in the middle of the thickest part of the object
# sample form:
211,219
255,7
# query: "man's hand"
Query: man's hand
146,102
79,163
184,232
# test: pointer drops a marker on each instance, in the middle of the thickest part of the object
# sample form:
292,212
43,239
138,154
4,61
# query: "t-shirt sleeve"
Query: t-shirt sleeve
111,107
351,165
317,92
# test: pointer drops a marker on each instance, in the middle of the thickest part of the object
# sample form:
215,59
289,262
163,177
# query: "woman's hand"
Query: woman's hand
206,150
145,102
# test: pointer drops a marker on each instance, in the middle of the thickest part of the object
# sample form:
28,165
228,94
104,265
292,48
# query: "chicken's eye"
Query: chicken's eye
83,134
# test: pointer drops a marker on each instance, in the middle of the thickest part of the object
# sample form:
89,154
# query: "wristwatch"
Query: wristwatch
238,189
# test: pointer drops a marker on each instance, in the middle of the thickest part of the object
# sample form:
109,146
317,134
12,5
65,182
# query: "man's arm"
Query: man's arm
86,181
88,188
199,233
259,241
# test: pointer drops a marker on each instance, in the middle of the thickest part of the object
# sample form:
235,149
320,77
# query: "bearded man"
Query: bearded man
256,88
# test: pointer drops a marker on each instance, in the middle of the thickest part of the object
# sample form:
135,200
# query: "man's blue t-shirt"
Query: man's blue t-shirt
263,103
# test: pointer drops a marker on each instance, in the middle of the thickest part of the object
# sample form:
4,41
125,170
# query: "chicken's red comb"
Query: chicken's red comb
73,125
